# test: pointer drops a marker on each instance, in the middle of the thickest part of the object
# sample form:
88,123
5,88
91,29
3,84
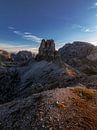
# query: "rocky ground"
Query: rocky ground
58,92
63,108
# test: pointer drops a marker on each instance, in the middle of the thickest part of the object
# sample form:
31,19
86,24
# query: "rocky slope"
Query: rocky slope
36,77
38,95
64,108
80,55
47,75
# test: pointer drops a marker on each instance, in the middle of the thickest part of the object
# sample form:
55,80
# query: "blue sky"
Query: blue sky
23,23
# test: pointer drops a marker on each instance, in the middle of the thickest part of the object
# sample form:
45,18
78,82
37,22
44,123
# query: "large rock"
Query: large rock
47,51
9,80
80,55
4,56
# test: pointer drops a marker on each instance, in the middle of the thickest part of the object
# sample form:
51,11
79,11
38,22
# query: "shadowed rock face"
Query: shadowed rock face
47,48
47,51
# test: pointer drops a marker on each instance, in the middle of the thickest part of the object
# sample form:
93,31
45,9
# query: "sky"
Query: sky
24,23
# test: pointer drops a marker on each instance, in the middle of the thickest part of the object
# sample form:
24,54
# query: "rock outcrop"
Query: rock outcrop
4,56
47,51
80,55
22,56
9,80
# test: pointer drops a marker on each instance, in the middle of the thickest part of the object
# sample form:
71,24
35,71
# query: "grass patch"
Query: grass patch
85,93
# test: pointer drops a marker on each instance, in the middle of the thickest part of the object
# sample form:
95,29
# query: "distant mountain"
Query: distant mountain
4,55
22,56
80,55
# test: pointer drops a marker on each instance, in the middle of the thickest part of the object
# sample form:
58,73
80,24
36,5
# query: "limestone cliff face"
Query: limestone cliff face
47,51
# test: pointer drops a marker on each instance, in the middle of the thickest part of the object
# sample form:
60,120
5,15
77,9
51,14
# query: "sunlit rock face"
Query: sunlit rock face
47,50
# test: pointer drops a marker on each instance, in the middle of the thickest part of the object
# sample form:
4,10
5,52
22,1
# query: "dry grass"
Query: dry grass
86,93
85,103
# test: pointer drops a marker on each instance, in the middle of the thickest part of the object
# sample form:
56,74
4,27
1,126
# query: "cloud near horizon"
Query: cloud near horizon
15,48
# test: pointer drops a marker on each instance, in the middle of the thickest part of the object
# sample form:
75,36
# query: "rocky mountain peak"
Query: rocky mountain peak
80,55
47,50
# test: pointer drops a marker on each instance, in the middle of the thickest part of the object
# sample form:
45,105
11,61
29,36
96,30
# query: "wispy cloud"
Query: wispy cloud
85,29
75,26
91,29
11,28
32,37
93,6
18,33
26,35
79,27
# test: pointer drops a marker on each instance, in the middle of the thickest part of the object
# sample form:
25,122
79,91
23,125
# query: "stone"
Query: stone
22,56
47,51
81,56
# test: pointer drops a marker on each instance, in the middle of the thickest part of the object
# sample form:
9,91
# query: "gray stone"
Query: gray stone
47,51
